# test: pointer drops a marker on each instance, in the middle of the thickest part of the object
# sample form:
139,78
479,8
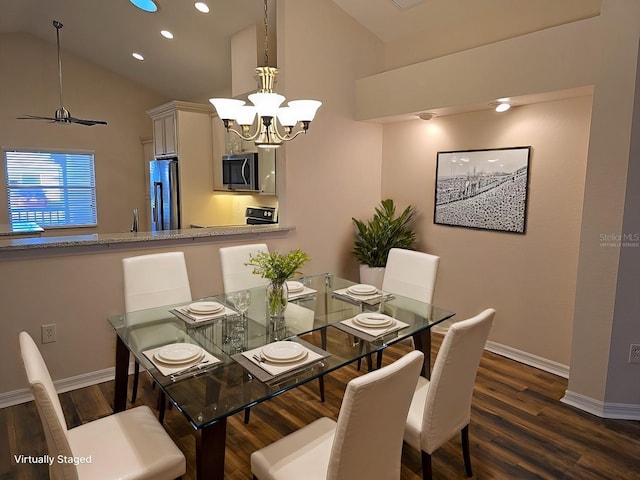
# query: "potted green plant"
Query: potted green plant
277,268
375,237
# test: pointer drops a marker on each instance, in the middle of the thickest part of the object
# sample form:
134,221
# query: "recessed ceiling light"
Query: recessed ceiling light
166,34
502,107
146,5
137,56
202,7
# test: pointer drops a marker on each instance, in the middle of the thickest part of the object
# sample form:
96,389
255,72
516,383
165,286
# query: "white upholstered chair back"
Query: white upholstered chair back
369,431
154,280
447,408
411,274
235,274
49,408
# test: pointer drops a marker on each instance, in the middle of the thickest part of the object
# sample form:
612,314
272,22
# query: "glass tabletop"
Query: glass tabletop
331,327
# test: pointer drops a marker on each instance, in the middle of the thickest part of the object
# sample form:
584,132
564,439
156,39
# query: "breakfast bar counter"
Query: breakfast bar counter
93,242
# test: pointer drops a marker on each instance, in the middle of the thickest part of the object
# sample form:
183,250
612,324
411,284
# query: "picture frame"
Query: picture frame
483,189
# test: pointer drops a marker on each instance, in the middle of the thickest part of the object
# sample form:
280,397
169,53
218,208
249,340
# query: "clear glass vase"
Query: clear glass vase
277,298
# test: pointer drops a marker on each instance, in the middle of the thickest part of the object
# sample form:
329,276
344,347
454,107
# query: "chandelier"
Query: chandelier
275,124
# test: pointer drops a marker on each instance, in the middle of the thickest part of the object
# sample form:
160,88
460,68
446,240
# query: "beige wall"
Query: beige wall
29,85
529,279
334,171
602,52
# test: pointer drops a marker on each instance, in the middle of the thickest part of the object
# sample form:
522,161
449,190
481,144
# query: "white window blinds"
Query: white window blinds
53,189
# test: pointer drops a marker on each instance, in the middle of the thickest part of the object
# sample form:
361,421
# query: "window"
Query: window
52,189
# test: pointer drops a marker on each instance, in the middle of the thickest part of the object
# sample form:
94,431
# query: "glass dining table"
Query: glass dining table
244,353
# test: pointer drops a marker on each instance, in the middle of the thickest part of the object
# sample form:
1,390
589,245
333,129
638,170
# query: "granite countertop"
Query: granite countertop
134,237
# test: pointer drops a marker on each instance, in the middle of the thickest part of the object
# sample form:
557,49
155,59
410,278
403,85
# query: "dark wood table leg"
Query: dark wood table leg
121,376
210,448
422,341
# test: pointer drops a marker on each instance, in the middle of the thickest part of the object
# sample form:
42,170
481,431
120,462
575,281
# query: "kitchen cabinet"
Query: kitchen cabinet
183,130
164,135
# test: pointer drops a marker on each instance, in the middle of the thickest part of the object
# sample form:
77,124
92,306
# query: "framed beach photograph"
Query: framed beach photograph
484,189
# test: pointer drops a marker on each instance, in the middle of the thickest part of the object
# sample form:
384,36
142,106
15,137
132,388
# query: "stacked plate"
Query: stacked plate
284,352
373,320
294,287
362,289
205,308
178,354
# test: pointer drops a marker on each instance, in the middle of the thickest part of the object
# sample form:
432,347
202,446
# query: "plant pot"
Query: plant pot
372,276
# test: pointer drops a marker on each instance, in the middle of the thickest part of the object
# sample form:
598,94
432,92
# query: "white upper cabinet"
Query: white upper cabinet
164,135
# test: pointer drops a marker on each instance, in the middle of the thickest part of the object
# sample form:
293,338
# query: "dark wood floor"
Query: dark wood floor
519,429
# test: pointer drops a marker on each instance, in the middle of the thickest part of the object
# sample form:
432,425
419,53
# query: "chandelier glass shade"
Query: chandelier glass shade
275,124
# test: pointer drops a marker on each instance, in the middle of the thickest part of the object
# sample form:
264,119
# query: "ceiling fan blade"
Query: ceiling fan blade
35,117
88,123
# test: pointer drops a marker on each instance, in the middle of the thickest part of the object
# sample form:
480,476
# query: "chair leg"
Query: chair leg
162,402
321,387
136,376
427,473
465,450
247,414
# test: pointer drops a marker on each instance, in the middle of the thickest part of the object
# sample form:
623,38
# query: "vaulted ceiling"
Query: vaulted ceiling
196,63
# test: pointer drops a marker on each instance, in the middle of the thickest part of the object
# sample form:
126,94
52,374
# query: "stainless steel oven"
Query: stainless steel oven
241,172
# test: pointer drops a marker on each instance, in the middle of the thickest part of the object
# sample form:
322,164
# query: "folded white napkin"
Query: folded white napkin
168,370
280,368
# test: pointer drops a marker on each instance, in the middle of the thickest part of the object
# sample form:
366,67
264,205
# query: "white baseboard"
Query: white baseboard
621,411
23,395
529,359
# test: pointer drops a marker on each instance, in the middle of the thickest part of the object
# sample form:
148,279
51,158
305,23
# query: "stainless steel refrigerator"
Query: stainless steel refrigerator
165,194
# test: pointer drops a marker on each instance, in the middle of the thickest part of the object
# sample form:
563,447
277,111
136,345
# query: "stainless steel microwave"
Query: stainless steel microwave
241,172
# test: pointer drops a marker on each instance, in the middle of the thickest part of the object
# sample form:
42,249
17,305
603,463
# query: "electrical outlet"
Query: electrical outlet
48,333
634,353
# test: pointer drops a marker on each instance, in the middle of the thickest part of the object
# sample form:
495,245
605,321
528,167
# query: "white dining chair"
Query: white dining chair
131,444
236,275
366,440
441,407
151,281
410,274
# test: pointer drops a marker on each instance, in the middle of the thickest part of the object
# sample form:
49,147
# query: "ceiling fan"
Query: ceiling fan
62,115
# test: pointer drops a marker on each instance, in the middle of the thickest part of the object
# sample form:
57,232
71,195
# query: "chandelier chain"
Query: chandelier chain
266,34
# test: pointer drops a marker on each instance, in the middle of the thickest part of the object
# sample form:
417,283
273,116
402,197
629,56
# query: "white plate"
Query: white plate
294,286
205,307
284,352
179,353
362,289
373,320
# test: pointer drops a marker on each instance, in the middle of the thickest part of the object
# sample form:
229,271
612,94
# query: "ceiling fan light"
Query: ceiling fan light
305,109
202,7
267,104
227,108
146,5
